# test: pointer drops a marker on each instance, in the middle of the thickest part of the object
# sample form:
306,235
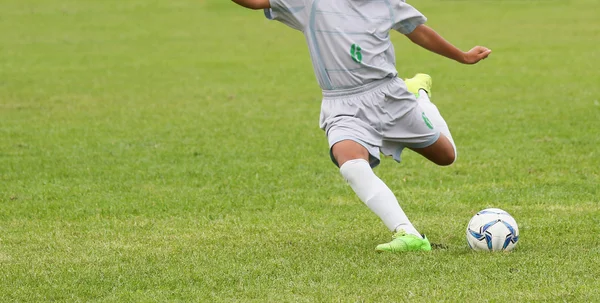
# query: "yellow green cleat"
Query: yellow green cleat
419,81
404,242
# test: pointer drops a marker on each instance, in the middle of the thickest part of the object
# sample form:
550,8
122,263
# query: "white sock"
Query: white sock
376,195
432,112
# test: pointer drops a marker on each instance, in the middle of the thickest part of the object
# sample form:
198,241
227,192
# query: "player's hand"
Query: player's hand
476,54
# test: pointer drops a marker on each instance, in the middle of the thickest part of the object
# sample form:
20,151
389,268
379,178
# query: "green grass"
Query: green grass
156,151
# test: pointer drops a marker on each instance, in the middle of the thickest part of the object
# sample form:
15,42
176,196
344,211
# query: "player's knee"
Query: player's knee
348,150
446,158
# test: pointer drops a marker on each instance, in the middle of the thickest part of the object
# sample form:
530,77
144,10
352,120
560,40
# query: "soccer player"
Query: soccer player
366,109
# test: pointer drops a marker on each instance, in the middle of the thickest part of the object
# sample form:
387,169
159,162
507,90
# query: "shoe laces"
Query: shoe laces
399,234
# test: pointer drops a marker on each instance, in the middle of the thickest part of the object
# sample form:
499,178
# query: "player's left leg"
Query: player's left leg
418,125
443,151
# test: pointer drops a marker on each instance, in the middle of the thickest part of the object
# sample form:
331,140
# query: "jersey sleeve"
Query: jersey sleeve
405,17
289,12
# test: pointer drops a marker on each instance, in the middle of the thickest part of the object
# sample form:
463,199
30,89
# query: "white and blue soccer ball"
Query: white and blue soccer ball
492,229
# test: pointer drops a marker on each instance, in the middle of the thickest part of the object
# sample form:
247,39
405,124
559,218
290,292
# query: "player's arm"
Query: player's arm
427,38
254,4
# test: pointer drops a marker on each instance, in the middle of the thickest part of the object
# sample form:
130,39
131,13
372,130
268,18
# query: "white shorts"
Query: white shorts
383,116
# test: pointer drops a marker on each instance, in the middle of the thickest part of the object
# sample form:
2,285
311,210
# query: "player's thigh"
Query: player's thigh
351,137
347,150
407,127
441,152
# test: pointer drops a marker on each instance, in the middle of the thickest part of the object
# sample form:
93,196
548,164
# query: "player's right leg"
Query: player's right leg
352,158
348,150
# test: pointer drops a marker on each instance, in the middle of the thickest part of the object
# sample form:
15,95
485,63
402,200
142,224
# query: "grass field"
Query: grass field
155,151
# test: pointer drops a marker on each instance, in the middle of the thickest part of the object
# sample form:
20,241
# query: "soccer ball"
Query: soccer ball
492,229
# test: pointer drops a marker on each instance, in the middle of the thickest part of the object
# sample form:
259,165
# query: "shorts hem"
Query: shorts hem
373,159
415,145
424,144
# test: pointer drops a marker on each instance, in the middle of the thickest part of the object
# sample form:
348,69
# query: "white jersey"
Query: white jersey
348,40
